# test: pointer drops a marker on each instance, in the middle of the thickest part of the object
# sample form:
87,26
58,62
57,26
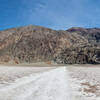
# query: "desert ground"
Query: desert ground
68,82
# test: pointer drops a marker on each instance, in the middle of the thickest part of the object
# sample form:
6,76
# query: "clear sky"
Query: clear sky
56,14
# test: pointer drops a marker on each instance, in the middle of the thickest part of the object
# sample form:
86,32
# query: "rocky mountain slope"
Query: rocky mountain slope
35,44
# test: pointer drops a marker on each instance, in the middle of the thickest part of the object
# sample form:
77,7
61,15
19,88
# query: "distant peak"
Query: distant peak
73,29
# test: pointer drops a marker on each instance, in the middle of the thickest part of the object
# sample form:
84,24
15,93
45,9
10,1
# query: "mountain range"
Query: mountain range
31,44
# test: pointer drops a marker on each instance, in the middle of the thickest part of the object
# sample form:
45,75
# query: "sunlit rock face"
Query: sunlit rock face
35,44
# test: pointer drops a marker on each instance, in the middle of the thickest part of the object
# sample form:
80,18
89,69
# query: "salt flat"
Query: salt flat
85,81
71,82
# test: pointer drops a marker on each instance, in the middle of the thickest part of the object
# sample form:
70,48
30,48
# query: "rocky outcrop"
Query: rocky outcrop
35,44
79,56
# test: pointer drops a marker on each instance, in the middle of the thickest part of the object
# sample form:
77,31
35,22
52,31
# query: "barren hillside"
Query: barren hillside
35,44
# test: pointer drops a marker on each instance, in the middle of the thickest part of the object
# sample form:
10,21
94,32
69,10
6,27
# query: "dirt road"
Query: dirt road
48,85
58,83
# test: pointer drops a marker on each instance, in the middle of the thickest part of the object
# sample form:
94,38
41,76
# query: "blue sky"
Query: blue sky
55,14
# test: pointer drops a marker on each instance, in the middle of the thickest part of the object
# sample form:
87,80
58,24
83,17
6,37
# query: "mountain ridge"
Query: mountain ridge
39,44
